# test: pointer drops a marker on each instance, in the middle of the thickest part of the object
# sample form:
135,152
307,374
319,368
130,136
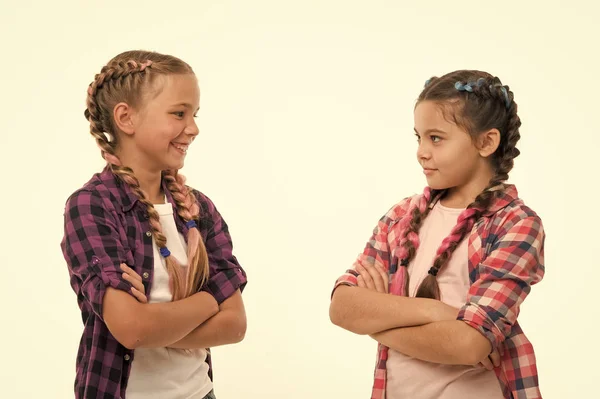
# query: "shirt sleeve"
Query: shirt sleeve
226,275
505,277
377,249
92,248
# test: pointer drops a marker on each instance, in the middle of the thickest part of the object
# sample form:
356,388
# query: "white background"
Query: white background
306,140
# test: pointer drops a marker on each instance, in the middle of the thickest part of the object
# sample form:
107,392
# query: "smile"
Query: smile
182,148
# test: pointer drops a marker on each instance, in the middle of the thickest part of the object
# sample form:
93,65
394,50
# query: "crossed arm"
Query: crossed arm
194,322
422,328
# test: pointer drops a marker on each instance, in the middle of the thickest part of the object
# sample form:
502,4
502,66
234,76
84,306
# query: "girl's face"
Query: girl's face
163,129
447,154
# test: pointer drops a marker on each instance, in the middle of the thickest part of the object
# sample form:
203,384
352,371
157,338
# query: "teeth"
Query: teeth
181,147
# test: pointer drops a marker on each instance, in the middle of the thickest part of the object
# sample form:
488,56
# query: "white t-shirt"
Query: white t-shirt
159,373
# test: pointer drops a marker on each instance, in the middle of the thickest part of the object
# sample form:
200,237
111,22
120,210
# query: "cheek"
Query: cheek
453,159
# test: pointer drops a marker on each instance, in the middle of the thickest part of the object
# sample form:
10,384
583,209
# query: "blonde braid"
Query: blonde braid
189,211
100,122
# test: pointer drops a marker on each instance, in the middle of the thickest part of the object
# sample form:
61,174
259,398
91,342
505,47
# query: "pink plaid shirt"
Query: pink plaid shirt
506,257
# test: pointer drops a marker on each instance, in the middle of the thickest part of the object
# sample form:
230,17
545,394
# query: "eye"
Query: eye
179,114
436,139
418,137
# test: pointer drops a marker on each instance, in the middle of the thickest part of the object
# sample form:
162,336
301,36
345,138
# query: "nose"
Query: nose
192,128
423,151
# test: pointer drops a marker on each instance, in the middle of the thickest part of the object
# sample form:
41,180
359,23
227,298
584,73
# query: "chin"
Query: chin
174,165
436,185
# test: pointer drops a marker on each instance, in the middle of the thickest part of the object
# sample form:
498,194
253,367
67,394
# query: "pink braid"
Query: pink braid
188,209
409,242
465,222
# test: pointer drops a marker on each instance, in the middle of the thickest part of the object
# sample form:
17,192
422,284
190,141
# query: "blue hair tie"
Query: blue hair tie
427,82
463,87
506,97
191,224
165,252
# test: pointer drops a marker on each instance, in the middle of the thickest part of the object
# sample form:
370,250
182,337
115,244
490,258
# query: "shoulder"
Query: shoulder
516,222
397,212
91,195
207,206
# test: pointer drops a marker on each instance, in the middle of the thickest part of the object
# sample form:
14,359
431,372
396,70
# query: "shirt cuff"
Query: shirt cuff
225,283
479,319
348,278
102,277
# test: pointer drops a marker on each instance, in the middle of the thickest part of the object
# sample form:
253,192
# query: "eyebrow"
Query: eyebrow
429,131
187,105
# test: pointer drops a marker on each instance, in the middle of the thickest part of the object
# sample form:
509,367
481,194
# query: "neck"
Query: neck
150,183
149,179
464,195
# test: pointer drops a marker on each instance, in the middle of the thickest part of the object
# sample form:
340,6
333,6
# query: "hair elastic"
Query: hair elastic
433,271
506,98
469,87
191,224
165,252
463,87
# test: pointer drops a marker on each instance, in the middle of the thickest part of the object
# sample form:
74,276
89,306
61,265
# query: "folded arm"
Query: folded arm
505,277
138,325
228,326
363,311
443,342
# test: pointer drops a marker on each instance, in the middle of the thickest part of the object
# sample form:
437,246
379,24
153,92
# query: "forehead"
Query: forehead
177,89
430,115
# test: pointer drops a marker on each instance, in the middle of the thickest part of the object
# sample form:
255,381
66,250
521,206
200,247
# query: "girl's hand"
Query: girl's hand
135,280
373,277
492,361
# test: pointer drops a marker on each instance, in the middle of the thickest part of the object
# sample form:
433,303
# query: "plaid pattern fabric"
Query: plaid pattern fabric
105,225
211,395
506,257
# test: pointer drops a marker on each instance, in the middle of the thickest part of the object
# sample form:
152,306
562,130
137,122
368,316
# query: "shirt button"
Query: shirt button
146,275
149,234
127,357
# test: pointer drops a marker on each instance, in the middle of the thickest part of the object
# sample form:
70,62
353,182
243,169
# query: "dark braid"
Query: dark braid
477,102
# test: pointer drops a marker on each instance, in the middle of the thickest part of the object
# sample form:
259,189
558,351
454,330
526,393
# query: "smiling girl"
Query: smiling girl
149,258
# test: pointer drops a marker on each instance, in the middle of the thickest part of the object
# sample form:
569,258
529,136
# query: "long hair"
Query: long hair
477,102
131,77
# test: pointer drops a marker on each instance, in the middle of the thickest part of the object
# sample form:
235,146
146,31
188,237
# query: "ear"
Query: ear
488,142
123,115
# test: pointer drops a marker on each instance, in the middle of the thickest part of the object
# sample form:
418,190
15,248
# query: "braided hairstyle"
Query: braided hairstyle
131,77
477,102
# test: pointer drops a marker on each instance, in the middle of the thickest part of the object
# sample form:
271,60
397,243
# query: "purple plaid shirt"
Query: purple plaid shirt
106,225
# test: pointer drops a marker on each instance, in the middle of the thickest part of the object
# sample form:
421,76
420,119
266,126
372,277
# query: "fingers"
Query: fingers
130,271
374,277
495,358
361,282
137,286
492,361
487,364
366,277
139,296
384,277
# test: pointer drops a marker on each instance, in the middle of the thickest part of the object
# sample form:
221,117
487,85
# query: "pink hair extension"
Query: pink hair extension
465,222
402,254
190,211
